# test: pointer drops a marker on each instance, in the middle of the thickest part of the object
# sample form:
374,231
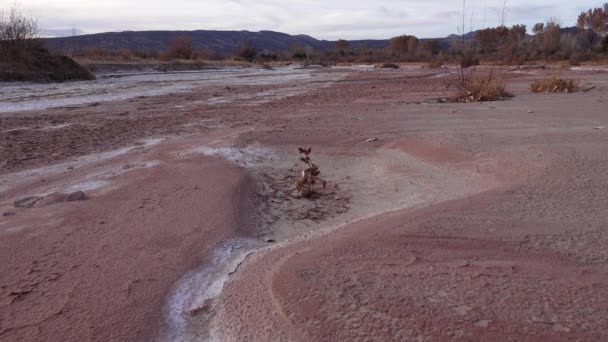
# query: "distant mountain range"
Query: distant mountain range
223,42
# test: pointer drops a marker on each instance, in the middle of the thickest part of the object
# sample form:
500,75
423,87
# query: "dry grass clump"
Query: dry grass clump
554,85
310,175
469,86
389,66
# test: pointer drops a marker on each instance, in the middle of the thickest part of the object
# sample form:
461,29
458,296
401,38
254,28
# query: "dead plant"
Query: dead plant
310,175
468,85
554,84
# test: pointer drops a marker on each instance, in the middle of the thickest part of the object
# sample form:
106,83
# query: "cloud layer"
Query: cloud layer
335,19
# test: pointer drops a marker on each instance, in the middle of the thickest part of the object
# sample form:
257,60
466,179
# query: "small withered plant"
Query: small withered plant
310,175
469,85
554,84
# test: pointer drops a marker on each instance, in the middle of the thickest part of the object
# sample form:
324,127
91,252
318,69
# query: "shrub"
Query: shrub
554,85
389,66
181,48
247,52
469,86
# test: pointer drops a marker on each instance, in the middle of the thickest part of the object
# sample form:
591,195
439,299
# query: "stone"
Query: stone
27,202
484,323
53,198
76,196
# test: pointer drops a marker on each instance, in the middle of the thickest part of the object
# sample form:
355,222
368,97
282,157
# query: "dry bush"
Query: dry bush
389,66
181,48
554,84
403,45
310,175
246,51
470,86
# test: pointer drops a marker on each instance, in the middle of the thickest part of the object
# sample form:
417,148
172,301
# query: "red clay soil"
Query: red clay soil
101,269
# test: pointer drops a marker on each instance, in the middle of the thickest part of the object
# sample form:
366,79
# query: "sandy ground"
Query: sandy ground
439,222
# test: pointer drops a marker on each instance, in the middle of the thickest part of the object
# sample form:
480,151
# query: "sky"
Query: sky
322,19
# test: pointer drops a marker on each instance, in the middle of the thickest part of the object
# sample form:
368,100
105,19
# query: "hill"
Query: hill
223,42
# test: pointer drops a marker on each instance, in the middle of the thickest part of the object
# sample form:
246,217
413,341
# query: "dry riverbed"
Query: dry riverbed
439,221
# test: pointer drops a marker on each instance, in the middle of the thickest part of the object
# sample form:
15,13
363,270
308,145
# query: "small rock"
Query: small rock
27,202
51,199
76,196
462,309
389,66
530,111
483,323
9,213
270,240
599,127
371,139
560,328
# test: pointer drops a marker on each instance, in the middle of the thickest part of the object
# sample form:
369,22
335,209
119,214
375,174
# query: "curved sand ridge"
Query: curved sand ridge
253,305
457,269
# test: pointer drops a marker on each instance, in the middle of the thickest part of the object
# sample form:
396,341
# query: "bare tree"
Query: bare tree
341,46
19,35
594,25
552,36
402,45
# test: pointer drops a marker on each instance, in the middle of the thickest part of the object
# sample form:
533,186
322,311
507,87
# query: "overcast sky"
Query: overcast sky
323,19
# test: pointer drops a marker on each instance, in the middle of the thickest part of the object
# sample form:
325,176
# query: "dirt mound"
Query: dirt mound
42,66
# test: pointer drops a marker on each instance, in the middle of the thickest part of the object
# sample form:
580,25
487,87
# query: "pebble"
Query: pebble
76,196
27,202
51,199
483,323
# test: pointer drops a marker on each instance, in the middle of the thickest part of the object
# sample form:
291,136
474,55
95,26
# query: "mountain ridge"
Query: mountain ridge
222,42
